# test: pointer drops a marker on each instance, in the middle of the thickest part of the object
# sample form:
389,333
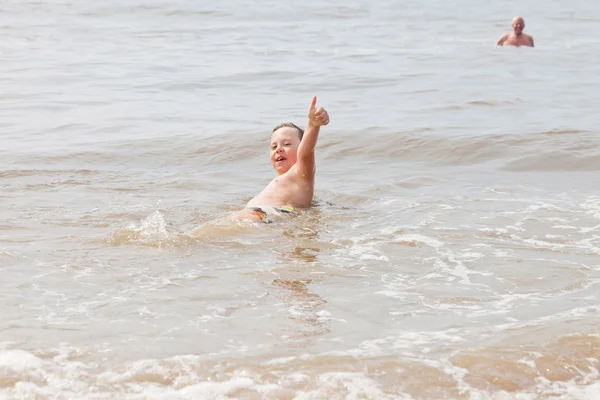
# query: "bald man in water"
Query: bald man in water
517,37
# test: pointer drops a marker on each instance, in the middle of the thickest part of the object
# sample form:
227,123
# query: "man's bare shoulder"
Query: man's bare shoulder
529,38
503,39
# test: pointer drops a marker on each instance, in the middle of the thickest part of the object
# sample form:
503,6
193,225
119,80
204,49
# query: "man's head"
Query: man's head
518,25
285,140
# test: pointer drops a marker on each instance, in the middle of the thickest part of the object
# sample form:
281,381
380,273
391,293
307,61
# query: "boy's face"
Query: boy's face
284,148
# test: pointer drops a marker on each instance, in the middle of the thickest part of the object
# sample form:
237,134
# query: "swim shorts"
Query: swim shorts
266,212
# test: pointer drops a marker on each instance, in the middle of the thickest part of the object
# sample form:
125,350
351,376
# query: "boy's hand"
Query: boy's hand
317,116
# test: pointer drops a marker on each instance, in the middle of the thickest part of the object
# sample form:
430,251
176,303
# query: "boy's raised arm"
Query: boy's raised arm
317,117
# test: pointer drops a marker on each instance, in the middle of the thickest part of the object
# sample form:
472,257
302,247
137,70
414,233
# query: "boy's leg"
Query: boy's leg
253,214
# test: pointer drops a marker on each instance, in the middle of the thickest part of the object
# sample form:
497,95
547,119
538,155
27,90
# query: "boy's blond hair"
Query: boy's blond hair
290,125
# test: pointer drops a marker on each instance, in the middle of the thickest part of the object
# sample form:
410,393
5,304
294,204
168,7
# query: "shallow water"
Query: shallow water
452,251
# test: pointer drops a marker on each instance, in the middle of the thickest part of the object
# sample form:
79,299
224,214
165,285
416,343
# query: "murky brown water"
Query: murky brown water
453,250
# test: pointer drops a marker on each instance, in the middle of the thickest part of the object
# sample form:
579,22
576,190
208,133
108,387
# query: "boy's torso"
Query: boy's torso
286,189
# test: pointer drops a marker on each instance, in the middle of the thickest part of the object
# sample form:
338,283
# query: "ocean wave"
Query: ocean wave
562,369
555,150
538,150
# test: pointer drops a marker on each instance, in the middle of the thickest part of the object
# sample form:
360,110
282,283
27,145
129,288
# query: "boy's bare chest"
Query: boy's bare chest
285,190
281,183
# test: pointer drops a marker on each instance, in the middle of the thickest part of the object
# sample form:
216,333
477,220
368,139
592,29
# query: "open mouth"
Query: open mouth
280,158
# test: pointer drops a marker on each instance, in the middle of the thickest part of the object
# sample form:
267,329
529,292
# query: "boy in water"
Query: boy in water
293,157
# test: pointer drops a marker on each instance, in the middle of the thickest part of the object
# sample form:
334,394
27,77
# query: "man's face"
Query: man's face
518,25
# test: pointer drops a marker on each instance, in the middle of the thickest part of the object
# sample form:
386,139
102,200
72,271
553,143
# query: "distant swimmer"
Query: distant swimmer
517,37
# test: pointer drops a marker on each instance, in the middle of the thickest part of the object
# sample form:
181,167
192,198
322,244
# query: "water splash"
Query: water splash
151,232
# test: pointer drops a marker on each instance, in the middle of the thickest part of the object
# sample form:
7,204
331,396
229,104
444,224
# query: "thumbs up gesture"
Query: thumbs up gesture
317,116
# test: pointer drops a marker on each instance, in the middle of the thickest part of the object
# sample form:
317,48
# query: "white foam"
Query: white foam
12,254
592,205
391,293
588,230
18,360
353,385
557,219
406,340
459,270
566,227
366,253
473,255
280,361
216,390
503,253
545,206
374,257
544,244
63,378
411,238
